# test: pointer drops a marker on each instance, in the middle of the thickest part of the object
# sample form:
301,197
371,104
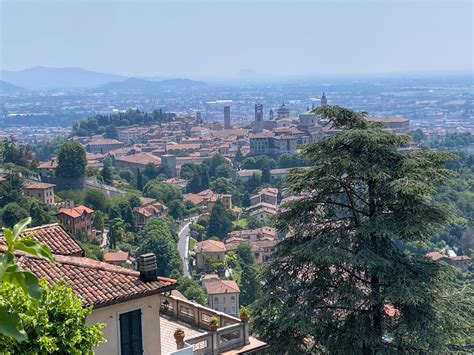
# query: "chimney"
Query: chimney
147,267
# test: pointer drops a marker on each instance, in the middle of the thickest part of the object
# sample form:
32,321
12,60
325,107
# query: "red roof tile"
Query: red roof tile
119,256
210,246
32,184
76,212
221,286
95,282
54,236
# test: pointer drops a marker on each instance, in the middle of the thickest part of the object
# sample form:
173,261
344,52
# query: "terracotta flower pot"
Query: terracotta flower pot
244,318
179,336
213,327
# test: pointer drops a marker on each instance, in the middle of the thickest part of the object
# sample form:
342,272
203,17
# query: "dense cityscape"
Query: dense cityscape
291,208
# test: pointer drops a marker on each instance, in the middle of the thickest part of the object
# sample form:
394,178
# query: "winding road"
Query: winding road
183,243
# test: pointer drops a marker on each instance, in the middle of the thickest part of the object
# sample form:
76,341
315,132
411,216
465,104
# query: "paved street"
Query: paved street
183,246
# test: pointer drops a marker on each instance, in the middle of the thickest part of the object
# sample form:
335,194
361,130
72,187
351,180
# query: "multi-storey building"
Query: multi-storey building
223,295
207,252
143,214
394,124
103,145
76,220
39,190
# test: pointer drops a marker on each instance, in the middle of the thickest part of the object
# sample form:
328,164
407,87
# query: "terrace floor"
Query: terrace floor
167,327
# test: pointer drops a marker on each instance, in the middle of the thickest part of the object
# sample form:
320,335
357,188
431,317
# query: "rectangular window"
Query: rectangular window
131,333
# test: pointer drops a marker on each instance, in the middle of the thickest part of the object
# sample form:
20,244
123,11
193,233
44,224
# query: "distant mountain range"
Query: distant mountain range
43,78
7,88
143,86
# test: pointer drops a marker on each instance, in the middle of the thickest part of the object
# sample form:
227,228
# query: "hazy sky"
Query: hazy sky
221,38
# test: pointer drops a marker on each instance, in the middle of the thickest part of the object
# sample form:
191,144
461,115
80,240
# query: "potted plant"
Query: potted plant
179,334
244,314
213,323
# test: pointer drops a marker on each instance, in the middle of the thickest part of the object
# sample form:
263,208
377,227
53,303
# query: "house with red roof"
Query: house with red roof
208,252
76,220
143,214
223,295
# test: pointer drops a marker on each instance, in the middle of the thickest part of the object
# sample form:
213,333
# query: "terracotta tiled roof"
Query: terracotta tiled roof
52,164
54,236
269,191
209,246
221,286
104,141
119,256
146,200
32,184
95,282
460,258
206,193
151,210
140,158
178,294
193,198
76,212
434,255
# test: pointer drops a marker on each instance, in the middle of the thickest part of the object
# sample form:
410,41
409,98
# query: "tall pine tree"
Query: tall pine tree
342,282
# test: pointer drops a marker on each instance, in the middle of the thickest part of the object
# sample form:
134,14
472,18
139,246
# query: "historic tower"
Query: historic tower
227,117
324,100
258,125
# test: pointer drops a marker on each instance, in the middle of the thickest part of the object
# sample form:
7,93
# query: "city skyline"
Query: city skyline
238,39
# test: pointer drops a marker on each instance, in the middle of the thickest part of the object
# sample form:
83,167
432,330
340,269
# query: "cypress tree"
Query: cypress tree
219,222
139,180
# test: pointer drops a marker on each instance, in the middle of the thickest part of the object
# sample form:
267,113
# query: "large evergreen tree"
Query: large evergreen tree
248,285
106,171
156,237
342,282
219,222
71,160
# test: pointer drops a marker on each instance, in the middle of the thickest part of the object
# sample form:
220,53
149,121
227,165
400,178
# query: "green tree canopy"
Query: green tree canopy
219,222
156,237
116,232
13,213
192,290
245,254
214,162
11,189
164,193
340,283
222,186
151,171
248,285
97,200
107,170
71,160
56,325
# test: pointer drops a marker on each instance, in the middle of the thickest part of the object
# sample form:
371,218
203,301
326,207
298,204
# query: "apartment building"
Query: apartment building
39,190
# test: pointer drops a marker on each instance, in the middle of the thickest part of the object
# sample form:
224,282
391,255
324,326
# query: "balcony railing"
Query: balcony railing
231,334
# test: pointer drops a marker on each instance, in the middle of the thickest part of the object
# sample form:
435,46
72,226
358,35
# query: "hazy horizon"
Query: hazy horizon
222,39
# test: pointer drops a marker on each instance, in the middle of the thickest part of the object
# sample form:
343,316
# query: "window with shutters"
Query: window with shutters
131,333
